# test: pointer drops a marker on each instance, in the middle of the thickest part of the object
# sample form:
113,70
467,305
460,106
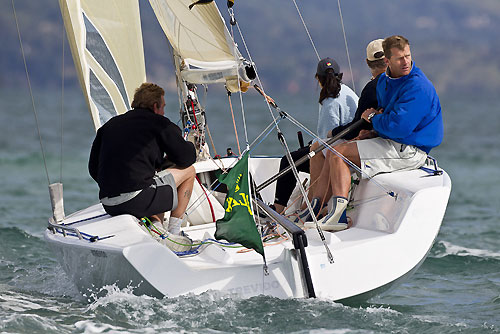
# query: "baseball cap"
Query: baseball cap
326,63
374,50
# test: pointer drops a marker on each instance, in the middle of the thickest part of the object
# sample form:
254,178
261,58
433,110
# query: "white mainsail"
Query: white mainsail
200,38
106,43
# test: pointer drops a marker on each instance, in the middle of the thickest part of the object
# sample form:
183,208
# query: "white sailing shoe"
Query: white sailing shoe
178,243
336,219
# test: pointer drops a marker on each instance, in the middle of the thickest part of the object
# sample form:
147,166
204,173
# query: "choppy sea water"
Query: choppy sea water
456,290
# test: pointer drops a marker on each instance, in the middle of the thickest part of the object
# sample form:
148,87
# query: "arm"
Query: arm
402,117
179,151
367,99
94,156
328,117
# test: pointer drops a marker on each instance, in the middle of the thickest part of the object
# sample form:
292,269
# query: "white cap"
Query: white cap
374,50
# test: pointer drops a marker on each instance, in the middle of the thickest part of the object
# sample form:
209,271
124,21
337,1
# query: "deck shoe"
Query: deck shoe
178,243
336,219
304,215
269,229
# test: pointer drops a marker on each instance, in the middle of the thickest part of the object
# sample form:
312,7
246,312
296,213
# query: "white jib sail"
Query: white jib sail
106,42
200,38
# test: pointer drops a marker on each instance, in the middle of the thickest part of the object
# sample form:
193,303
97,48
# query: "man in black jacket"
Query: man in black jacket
127,156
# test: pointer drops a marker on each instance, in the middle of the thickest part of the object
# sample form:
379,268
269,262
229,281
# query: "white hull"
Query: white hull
389,239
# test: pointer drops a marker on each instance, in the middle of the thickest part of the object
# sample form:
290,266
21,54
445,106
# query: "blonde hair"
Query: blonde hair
147,95
396,41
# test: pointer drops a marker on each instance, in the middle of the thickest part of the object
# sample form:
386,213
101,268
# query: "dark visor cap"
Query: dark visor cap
325,64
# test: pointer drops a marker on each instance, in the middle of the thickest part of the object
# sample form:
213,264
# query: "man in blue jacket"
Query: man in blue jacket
408,124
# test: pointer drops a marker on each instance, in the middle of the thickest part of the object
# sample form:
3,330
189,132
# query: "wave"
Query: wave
445,248
29,266
120,311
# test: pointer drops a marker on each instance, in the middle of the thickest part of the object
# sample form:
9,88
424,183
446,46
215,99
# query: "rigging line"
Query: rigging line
239,80
345,42
62,106
287,152
264,133
252,147
242,111
234,123
331,149
191,208
307,30
31,92
256,71
211,140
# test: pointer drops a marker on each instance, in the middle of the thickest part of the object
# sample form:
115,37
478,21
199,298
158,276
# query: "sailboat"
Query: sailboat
395,217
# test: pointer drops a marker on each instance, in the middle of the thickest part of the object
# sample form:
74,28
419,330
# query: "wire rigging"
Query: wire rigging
62,106
307,30
231,13
31,92
343,32
345,42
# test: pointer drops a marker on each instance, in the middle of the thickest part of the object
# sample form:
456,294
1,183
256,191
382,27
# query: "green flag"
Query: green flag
238,224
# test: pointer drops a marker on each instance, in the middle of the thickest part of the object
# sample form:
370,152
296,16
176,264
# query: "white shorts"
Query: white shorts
380,155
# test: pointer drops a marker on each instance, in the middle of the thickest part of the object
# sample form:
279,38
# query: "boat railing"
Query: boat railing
299,243
54,228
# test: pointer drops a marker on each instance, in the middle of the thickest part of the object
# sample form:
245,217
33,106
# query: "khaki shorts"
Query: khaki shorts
380,155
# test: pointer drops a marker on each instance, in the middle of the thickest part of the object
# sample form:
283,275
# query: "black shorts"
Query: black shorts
160,197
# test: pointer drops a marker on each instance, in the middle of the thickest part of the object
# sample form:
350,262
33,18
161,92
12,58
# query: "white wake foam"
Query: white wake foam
451,249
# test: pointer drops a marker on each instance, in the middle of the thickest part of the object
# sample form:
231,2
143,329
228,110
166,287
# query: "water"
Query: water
457,289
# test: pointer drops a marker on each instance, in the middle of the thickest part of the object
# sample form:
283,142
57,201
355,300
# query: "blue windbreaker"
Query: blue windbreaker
412,112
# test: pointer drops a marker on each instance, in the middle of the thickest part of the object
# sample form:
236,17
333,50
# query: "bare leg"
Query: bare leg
315,166
184,180
340,175
279,208
159,217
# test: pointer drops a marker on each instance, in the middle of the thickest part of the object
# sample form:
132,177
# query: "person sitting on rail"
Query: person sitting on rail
127,156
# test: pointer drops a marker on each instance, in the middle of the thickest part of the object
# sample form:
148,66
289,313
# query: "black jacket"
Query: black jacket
129,148
367,100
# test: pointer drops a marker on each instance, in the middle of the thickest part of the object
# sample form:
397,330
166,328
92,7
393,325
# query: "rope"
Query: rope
307,30
255,67
231,13
266,134
234,123
194,114
211,140
346,48
208,199
31,92
344,34
84,220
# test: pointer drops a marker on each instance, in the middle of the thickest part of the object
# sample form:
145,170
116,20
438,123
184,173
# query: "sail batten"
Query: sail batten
106,43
